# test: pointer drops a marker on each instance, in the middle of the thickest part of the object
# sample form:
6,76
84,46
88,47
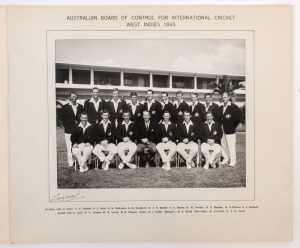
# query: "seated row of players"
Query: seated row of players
100,138
94,107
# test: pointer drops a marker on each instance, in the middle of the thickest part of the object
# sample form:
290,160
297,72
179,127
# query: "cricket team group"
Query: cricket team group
106,128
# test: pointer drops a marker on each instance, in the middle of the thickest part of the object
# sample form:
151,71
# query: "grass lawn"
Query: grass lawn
151,177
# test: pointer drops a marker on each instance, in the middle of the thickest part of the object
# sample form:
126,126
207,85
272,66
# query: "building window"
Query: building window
203,83
183,82
81,76
137,80
161,81
62,76
107,78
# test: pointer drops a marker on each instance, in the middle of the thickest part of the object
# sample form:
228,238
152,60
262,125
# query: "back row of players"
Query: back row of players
148,128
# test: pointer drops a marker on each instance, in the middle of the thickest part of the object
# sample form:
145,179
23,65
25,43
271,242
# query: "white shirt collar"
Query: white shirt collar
229,104
81,125
102,122
190,123
196,103
169,123
113,101
164,103
72,104
211,122
210,104
180,101
124,123
137,103
152,101
92,100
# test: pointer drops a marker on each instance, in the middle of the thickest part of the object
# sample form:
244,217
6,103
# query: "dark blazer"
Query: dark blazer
152,133
215,110
198,113
171,108
78,137
192,135
170,133
155,111
93,115
180,108
231,118
120,109
68,118
138,115
122,133
110,135
215,133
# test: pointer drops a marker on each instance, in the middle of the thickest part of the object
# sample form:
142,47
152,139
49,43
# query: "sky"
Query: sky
196,56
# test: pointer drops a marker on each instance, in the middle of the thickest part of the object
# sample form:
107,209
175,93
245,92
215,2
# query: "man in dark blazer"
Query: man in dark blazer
94,107
180,107
230,118
212,107
197,110
105,134
126,132
153,107
187,134
210,136
168,106
116,107
82,139
135,108
70,118
167,141
147,137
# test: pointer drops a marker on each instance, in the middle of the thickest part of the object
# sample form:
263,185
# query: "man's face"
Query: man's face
84,119
126,117
164,97
225,98
187,117
73,98
193,98
179,97
149,95
209,118
166,117
105,117
95,94
208,99
134,99
115,95
146,116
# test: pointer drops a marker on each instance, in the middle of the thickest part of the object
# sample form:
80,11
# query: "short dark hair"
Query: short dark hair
187,111
166,112
227,93
209,112
73,93
207,94
105,111
83,113
125,112
95,88
179,92
165,93
194,93
146,111
133,94
115,90
150,91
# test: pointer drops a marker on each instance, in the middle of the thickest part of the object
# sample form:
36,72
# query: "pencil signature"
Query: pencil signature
60,198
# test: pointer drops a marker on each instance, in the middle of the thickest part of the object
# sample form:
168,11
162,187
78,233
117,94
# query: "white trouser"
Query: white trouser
162,147
130,147
69,149
82,153
215,152
99,152
228,147
182,150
